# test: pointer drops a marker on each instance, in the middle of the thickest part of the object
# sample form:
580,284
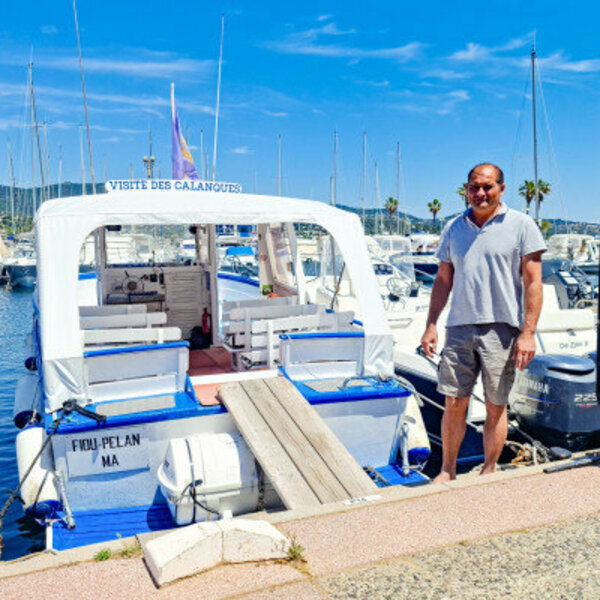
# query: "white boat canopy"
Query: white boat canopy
61,227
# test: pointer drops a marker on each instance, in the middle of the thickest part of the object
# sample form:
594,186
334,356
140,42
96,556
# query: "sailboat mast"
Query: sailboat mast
37,137
214,165
85,109
12,188
33,192
334,180
60,171
47,157
377,198
83,192
398,188
279,164
363,178
202,173
535,153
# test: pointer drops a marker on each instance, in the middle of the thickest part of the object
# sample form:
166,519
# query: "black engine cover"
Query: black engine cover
554,400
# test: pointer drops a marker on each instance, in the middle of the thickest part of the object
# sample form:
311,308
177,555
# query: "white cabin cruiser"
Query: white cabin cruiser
130,428
20,268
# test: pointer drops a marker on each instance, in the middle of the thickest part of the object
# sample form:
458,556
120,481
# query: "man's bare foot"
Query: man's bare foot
488,470
444,476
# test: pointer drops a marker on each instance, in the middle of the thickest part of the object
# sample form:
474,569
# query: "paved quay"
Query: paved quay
521,534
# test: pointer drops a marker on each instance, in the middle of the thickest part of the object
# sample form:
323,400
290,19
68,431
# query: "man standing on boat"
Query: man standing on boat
490,258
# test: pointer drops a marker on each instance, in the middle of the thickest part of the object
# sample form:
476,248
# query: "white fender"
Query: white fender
40,490
419,448
28,400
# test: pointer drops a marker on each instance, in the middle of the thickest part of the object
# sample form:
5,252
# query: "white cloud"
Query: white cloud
437,104
372,83
241,150
272,113
49,29
143,102
559,62
142,68
472,53
306,43
324,17
446,74
143,64
476,52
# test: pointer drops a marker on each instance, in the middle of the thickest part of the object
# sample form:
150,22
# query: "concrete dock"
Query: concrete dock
516,534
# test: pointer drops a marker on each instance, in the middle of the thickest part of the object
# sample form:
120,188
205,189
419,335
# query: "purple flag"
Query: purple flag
183,163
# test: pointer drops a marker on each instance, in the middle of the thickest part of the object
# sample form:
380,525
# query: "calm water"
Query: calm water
20,535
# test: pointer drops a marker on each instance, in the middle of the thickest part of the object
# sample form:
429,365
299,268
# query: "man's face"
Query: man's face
483,191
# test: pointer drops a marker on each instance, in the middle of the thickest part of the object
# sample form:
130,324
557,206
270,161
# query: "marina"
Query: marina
301,307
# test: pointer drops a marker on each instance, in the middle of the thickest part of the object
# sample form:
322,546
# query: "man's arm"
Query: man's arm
439,296
531,270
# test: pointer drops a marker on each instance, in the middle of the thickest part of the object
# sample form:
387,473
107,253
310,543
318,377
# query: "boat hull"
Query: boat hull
21,276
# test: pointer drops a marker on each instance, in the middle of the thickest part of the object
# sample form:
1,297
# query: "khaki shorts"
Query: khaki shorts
471,349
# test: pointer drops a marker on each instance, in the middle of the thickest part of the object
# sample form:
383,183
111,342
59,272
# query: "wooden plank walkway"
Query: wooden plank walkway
306,463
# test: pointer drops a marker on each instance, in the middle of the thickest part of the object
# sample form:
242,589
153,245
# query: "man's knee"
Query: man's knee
457,406
495,412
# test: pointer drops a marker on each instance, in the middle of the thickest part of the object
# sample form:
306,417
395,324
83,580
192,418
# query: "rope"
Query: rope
14,494
69,406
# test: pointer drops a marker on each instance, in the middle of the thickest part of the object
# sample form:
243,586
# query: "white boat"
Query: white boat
20,268
424,246
187,250
139,438
582,250
562,330
121,248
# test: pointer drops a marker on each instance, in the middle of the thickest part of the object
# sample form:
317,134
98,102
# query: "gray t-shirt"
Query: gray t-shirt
488,286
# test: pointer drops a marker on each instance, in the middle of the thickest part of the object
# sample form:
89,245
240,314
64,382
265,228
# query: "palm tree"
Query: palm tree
546,226
527,190
391,206
462,192
544,188
434,207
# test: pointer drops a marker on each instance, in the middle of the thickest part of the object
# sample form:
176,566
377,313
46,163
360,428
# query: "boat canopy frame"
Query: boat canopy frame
61,227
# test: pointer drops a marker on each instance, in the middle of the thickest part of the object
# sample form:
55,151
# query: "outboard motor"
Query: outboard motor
554,400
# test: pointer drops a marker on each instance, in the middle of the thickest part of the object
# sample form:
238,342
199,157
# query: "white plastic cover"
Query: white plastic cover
63,225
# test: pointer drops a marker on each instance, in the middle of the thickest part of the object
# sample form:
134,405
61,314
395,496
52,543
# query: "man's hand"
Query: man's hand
524,349
429,340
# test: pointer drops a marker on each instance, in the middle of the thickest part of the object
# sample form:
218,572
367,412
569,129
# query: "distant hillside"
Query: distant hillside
375,219
23,196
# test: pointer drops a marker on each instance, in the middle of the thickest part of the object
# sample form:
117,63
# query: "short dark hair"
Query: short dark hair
499,173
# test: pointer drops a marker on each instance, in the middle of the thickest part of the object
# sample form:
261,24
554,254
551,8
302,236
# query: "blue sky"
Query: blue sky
446,80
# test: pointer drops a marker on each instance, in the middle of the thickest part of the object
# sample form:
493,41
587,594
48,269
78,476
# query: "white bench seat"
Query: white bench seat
259,346
144,335
112,309
227,307
241,320
123,320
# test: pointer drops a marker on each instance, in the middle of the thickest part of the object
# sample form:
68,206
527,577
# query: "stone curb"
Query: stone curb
49,560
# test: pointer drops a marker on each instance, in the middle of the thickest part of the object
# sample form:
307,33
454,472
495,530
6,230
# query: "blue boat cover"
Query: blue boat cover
373,389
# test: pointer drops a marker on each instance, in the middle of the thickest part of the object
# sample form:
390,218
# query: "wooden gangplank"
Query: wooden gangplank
306,463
